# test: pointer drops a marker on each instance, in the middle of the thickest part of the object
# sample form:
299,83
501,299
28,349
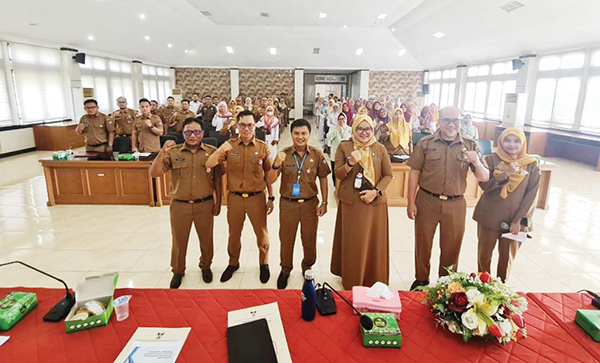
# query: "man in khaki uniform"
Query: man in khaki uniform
166,112
123,118
196,192
154,107
248,161
440,163
207,112
98,128
176,124
300,166
147,130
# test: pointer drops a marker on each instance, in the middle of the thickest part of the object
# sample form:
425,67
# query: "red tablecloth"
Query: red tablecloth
334,338
562,308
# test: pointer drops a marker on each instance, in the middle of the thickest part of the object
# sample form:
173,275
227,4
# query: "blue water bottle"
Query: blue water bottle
309,296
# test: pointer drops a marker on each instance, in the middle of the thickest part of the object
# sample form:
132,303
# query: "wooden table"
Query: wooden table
57,136
397,191
81,181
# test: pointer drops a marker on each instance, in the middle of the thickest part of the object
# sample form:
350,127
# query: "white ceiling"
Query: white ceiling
475,30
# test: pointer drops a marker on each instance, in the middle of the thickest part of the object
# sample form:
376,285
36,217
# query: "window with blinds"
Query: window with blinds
157,85
5,110
39,83
94,74
121,83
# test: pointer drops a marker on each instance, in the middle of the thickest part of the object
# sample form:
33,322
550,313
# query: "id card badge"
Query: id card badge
358,181
296,190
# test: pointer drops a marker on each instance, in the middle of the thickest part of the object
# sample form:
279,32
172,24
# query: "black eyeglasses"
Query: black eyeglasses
449,120
190,132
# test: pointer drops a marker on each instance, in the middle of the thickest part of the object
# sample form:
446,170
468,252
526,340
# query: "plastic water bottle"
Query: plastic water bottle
309,296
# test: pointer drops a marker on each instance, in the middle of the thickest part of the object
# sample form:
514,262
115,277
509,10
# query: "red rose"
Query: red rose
485,277
505,312
518,319
472,275
458,302
495,330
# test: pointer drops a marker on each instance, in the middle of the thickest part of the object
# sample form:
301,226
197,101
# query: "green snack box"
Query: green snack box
385,332
125,157
14,306
59,155
589,321
100,288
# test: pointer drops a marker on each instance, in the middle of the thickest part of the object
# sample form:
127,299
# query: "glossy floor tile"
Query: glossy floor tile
74,241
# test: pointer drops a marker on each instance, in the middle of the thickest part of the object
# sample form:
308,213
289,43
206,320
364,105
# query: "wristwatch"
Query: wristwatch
271,199
348,162
379,192
323,203
275,167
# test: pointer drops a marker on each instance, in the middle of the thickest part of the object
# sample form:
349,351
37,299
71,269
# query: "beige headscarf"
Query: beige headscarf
523,159
366,157
400,130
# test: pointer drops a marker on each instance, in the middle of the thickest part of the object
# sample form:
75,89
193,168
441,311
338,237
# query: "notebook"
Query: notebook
250,342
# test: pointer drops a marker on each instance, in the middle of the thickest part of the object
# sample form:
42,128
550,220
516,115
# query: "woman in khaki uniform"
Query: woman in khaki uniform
508,199
361,241
396,136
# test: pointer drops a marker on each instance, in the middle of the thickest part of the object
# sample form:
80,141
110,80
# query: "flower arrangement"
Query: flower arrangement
477,305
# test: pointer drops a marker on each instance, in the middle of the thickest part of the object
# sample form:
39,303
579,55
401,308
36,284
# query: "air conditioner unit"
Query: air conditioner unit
514,110
88,93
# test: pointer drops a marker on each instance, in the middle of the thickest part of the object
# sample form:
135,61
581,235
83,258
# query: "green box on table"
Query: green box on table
101,288
589,321
14,306
385,333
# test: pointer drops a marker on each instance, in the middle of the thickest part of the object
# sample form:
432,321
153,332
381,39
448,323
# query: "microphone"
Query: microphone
595,298
62,308
365,321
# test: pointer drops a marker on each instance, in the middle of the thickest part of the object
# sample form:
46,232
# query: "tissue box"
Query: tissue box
589,321
99,288
385,332
14,307
363,303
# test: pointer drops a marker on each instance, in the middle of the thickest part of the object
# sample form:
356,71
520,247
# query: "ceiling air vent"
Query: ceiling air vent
316,50
206,13
264,15
511,6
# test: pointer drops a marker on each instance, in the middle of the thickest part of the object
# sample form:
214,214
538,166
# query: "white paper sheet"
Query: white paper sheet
270,312
3,339
521,236
154,351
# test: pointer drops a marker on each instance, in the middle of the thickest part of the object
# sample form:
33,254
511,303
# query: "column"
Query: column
364,84
235,82
72,78
298,93
461,85
138,80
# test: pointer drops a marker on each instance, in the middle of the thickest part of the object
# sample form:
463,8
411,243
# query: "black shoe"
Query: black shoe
207,275
229,272
282,281
176,281
265,274
418,283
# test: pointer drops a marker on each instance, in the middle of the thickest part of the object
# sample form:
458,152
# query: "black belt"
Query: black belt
194,201
246,194
442,196
104,143
299,200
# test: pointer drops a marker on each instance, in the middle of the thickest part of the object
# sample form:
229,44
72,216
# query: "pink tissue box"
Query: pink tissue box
364,304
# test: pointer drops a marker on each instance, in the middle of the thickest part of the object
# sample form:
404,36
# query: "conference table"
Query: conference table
334,338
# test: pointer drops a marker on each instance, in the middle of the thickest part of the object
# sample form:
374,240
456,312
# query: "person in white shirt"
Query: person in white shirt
270,125
221,116
195,103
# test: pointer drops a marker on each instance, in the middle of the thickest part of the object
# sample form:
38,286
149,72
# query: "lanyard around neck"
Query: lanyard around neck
301,165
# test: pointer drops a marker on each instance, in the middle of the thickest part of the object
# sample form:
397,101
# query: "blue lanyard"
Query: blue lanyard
301,164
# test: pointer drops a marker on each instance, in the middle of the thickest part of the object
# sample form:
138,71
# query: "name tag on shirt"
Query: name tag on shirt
234,155
180,159
296,190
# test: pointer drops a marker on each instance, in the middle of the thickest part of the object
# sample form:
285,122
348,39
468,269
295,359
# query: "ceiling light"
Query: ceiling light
382,16
273,51
359,51
170,45
402,52
322,15
142,16
147,37
186,51
90,38
345,26
439,35
206,13
393,29
229,49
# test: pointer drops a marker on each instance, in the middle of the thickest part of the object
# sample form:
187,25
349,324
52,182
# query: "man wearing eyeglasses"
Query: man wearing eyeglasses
98,128
147,130
196,192
248,162
123,118
440,163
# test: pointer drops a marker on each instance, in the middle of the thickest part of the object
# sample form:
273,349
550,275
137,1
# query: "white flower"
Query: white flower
470,319
506,327
475,297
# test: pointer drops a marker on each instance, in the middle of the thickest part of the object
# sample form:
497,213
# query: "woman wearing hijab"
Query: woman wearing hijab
222,116
369,106
436,114
270,125
507,203
467,129
375,111
362,111
336,135
347,110
331,121
232,105
396,136
382,119
248,104
361,241
230,126
426,122
407,115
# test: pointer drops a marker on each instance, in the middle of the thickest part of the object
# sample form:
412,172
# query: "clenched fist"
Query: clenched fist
355,157
223,149
169,144
279,159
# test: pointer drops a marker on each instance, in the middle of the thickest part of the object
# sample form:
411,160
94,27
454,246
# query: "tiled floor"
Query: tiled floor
74,241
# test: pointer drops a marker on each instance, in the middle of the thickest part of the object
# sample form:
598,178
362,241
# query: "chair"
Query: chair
164,139
260,134
210,141
122,144
416,136
485,146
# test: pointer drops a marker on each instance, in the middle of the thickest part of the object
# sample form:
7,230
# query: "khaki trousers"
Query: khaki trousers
450,215
256,209
182,216
507,251
290,215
